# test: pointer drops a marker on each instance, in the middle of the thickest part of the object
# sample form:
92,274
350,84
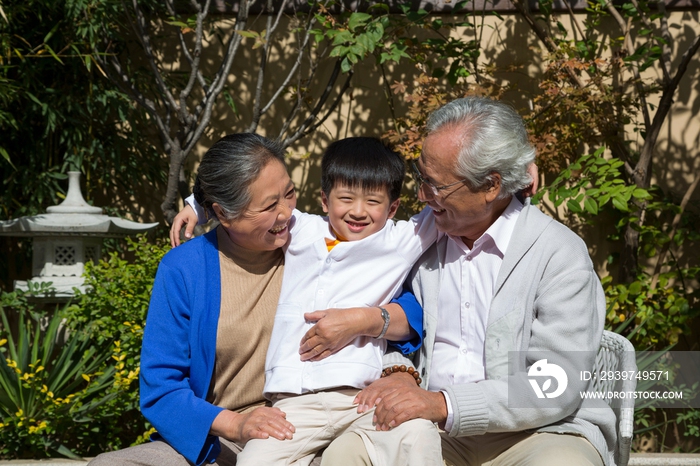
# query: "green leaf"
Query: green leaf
179,24
591,206
574,206
358,19
635,288
375,31
51,33
640,193
248,34
620,204
6,156
53,54
341,37
345,65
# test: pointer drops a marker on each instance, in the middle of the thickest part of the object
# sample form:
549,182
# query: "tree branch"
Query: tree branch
183,45
140,29
629,46
265,56
293,70
306,127
642,172
674,227
203,111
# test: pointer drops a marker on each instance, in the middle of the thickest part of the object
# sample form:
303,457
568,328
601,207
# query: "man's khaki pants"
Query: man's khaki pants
502,449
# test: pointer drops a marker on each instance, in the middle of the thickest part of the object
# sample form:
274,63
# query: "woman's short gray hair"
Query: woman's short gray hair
494,140
228,169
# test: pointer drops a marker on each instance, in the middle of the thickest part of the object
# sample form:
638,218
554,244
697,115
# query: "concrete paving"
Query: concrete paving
664,459
637,459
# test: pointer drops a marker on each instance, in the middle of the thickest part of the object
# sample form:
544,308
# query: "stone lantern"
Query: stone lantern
67,236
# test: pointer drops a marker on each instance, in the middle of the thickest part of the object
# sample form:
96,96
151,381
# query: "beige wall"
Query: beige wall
511,50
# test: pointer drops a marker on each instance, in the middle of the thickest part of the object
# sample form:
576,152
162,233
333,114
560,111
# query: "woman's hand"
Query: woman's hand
334,330
187,217
261,423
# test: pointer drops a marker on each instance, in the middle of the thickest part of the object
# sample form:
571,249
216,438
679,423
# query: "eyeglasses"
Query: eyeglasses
422,181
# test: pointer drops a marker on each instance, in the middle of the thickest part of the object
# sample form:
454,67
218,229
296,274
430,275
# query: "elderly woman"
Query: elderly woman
203,356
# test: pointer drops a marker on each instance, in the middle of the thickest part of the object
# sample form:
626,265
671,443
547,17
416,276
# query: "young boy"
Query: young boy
355,257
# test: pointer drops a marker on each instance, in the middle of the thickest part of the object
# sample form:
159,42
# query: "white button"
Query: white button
469,258
320,292
328,260
464,350
467,305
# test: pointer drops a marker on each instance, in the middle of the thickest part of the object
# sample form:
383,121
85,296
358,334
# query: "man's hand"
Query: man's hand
334,330
187,217
398,399
259,423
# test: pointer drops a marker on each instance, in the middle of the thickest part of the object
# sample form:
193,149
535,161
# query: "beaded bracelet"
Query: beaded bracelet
396,368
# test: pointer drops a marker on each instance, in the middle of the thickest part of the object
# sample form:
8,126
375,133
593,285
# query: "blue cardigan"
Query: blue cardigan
179,348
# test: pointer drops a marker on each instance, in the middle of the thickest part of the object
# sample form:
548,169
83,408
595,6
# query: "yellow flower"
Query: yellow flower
622,317
2,343
86,377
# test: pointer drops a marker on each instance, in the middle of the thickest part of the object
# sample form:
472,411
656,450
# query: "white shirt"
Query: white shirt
466,290
368,272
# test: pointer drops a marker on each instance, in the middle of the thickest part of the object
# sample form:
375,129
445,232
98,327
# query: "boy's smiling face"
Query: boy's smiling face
355,213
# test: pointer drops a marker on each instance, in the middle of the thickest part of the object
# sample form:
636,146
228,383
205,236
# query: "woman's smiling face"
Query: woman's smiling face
264,225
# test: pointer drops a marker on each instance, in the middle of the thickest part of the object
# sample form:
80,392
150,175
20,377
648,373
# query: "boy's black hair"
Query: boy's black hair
362,162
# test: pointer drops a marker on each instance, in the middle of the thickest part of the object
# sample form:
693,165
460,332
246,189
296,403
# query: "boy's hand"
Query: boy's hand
334,330
187,217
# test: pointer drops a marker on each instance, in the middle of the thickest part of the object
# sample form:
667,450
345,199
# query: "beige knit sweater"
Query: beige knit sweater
250,288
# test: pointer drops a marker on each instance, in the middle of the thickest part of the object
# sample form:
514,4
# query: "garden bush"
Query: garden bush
69,378
52,381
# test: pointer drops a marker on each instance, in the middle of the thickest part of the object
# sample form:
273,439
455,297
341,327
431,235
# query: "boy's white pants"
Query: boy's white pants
321,417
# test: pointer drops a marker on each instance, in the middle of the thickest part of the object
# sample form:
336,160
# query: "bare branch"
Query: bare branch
301,83
183,45
625,26
140,28
306,127
115,72
199,32
203,111
642,172
265,56
665,61
674,227
295,67
574,19
544,36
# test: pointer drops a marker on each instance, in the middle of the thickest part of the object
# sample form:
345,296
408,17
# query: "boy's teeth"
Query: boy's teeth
278,229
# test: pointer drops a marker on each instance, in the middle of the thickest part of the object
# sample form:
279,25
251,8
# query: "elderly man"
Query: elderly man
505,292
